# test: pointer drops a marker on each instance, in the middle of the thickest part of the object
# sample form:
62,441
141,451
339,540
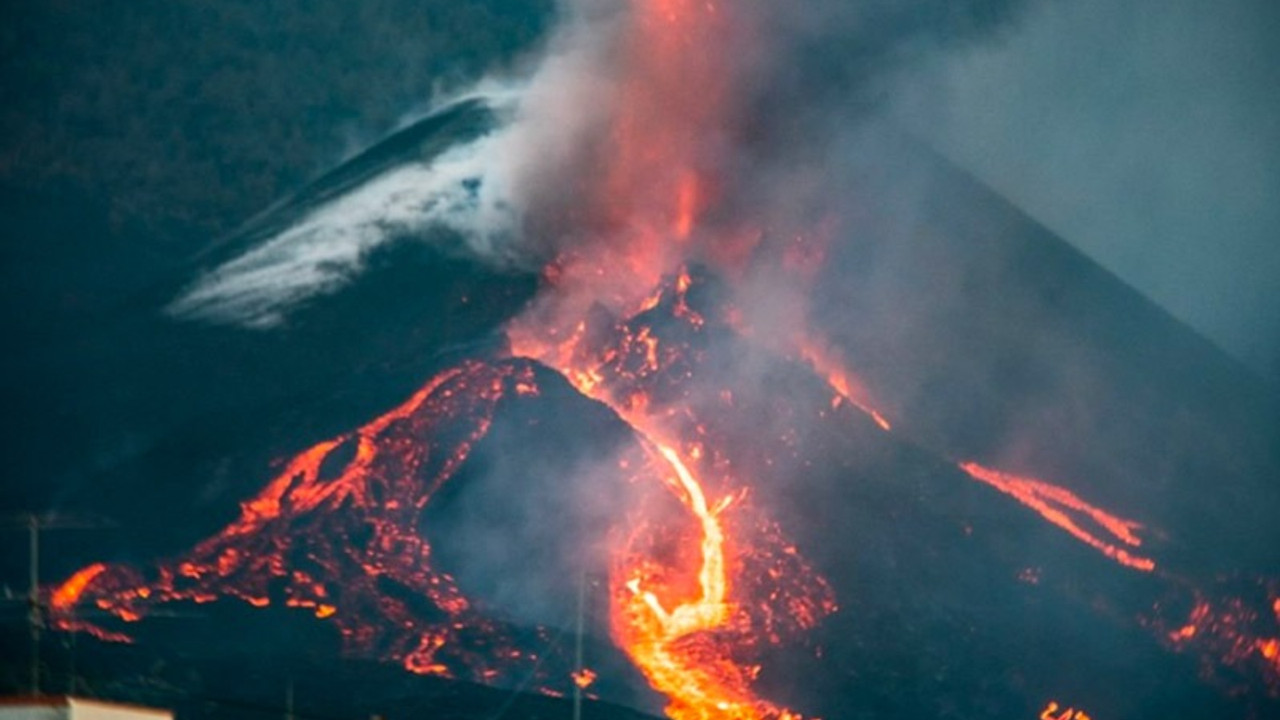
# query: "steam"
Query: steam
330,245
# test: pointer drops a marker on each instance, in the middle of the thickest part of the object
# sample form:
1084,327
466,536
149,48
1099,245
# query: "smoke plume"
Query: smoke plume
771,87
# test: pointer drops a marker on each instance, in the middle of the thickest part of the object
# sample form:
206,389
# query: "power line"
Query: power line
35,608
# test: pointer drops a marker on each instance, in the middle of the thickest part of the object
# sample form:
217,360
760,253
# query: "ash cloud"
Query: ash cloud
803,75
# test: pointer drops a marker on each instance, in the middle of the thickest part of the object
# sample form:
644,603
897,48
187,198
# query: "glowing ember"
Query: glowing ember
1054,711
583,678
1228,633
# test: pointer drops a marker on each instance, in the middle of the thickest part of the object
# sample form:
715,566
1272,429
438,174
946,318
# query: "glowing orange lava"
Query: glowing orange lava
65,597
1052,502
584,678
1064,509
658,179
651,631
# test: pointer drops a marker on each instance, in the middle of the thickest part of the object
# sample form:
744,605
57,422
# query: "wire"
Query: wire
524,684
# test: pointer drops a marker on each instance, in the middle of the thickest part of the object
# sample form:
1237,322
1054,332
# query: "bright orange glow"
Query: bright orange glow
672,95
1199,615
650,631
66,596
686,206
1270,648
673,98
680,634
1054,503
1064,509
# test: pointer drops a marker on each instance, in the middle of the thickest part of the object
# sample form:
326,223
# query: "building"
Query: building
61,707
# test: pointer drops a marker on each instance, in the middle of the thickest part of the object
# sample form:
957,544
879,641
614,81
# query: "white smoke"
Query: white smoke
329,246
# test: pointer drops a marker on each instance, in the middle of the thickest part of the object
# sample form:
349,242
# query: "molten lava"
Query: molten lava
64,599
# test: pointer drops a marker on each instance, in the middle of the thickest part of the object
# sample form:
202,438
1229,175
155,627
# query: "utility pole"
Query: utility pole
36,612
71,658
35,616
577,660
288,700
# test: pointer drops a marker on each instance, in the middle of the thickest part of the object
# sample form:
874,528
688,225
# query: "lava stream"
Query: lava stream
1054,503
1057,505
684,639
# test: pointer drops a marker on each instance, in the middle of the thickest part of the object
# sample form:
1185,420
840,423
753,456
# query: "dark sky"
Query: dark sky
192,115
1147,134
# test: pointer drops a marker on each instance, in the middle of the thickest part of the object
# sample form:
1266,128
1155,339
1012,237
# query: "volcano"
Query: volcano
926,592
900,463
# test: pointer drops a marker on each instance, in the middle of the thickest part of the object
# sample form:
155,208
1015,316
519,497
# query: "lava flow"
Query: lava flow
693,625
1057,505
336,533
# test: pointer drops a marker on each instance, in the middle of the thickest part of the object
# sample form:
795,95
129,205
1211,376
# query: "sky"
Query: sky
1146,134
